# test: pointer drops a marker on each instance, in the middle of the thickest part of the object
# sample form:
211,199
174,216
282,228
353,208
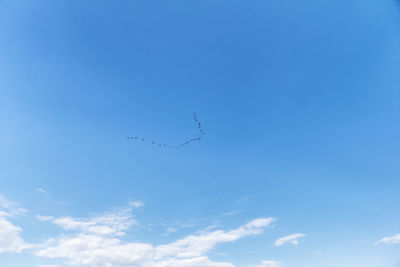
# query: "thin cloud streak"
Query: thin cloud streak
291,239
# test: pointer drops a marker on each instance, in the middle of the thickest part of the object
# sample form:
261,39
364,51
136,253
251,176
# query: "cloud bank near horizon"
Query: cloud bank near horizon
98,241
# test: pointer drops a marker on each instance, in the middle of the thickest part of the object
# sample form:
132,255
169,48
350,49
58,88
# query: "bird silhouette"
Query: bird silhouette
188,141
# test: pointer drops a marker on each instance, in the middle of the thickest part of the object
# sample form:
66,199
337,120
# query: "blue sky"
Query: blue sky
299,166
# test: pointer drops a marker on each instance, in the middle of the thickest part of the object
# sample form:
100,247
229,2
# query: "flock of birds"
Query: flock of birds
198,138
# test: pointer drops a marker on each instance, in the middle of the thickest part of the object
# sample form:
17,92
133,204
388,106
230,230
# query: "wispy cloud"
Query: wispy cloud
197,245
136,204
391,240
41,190
291,239
10,208
113,223
170,230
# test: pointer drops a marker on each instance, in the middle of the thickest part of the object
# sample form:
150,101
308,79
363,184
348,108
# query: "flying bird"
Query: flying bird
188,141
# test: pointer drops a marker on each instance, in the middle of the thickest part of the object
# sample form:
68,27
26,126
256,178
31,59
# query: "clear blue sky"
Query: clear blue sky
299,101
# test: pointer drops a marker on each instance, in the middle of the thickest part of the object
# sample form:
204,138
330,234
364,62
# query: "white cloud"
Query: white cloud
97,250
197,245
136,204
92,248
11,208
392,240
10,239
115,223
170,230
41,190
291,239
96,241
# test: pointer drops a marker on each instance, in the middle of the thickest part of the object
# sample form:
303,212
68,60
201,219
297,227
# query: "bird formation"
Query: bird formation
198,138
